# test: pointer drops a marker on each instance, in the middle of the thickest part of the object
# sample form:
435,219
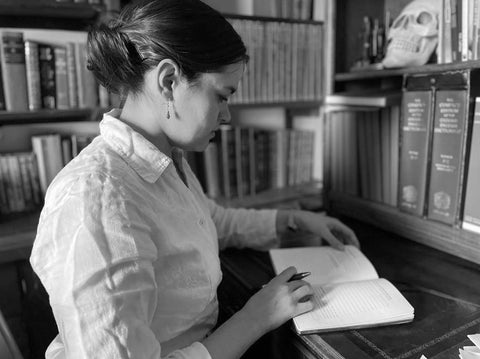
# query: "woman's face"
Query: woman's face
200,107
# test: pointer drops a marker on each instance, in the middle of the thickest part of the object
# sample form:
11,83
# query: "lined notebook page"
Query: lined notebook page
355,304
327,265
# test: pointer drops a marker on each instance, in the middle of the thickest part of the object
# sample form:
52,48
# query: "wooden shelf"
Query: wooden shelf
452,240
272,19
431,68
49,9
275,197
48,14
47,116
286,104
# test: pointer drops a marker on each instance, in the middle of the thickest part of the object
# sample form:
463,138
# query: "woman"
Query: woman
127,243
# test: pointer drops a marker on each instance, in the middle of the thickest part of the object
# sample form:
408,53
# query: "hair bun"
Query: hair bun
112,57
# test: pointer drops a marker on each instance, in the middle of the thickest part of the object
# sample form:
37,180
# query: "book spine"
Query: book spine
61,78
211,170
4,209
395,148
232,165
416,124
471,211
224,161
447,156
33,75
16,183
238,161
14,71
72,76
2,93
447,31
26,180
34,178
47,75
8,185
454,28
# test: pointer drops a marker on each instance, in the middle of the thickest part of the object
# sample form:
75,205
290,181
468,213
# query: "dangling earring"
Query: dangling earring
168,109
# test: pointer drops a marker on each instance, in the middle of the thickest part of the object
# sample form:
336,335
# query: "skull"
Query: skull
413,35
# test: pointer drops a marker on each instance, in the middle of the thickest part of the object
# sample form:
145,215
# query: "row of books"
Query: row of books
459,31
25,176
243,161
364,153
293,9
437,138
240,162
49,2
285,61
39,75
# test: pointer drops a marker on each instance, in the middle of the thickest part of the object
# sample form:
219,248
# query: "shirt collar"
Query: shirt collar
146,159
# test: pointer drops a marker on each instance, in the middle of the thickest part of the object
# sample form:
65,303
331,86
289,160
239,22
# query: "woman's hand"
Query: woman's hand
279,301
330,229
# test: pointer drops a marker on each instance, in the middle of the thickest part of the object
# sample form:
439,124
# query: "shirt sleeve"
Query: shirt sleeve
240,227
96,264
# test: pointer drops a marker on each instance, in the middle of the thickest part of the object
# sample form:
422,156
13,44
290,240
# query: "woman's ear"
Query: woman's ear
168,75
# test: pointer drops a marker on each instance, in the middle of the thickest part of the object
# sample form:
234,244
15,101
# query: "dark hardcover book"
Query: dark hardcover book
33,75
471,212
455,28
242,158
447,158
72,75
261,160
415,135
13,71
61,79
46,57
227,162
2,95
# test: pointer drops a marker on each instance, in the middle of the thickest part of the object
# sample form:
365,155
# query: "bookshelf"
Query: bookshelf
341,200
17,230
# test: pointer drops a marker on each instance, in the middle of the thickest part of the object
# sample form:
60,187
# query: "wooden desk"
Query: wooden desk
443,289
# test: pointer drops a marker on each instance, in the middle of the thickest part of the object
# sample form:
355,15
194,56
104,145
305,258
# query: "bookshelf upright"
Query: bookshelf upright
362,203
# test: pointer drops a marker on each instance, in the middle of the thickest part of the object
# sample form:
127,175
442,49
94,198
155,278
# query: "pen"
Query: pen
299,276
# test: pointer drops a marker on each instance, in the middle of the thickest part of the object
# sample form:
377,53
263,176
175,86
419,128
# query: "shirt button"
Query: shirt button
201,222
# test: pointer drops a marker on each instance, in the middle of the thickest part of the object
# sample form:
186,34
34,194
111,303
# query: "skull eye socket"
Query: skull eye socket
424,18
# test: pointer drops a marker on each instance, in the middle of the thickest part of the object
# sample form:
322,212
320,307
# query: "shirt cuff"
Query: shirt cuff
197,350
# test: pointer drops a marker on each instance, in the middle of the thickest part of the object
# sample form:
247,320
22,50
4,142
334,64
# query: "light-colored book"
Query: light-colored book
365,98
348,291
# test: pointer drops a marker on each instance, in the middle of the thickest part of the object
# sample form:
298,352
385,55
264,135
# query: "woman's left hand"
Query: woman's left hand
330,229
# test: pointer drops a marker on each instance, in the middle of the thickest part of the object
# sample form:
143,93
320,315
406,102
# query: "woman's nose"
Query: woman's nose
225,116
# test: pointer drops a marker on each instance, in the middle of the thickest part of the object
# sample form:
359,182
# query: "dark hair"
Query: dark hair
198,38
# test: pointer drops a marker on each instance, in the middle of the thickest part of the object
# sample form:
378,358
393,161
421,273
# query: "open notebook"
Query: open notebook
348,292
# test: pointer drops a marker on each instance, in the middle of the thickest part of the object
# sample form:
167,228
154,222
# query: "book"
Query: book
365,98
415,130
72,76
471,351
14,71
33,75
46,57
471,211
61,78
348,293
2,95
447,156
48,152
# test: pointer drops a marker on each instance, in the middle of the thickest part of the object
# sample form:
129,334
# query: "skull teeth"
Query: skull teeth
404,45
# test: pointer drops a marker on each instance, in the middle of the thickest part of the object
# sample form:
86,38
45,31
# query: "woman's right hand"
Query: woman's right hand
279,301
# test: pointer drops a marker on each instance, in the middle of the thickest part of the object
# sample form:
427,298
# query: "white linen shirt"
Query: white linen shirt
129,254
